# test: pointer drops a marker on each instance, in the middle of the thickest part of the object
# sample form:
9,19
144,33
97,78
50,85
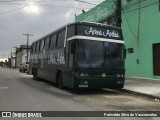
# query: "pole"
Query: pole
27,43
118,12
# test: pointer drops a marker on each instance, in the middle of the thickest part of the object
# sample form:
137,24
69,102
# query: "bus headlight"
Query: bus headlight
86,74
76,74
118,75
81,74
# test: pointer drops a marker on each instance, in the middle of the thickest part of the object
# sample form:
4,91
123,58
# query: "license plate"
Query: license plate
84,86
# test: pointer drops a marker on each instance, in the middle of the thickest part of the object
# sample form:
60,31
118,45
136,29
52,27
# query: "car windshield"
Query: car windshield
99,54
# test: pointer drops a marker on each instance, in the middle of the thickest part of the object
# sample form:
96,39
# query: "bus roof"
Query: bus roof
80,23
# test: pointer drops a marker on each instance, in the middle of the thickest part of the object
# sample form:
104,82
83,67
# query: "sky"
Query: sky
36,17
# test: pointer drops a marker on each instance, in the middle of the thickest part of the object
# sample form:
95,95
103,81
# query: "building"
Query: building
140,26
21,55
13,62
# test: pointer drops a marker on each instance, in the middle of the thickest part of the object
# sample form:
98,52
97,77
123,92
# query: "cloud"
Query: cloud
38,19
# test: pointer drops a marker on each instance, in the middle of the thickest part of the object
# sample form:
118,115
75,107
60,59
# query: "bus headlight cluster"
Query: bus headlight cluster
81,74
119,75
76,74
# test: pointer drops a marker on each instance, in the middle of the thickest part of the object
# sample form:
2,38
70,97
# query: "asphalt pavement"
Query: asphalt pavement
19,92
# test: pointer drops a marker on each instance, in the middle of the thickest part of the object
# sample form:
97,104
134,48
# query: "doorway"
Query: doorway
156,59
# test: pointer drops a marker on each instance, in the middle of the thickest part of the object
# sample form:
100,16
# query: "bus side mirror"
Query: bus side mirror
73,48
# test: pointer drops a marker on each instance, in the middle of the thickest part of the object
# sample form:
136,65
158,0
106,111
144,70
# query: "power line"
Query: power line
85,2
132,4
20,8
2,1
130,27
73,7
45,5
26,5
93,3
141,7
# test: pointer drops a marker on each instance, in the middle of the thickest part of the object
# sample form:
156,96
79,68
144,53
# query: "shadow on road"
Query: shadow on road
79,91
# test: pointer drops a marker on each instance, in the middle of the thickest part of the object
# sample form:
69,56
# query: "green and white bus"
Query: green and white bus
80,55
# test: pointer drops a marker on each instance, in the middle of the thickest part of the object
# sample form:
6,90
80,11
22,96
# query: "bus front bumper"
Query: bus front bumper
91,83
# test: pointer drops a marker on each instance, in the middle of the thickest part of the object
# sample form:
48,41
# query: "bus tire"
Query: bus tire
35,74
23,70
60,81
119,87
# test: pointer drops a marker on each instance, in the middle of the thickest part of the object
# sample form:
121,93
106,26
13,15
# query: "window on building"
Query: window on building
130,50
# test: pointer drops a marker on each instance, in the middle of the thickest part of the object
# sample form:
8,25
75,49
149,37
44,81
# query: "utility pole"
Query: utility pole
27,43
118,12
16,56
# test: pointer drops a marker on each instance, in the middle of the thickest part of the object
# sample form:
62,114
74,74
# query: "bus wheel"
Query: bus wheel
23,70
119,87
35,75
60,81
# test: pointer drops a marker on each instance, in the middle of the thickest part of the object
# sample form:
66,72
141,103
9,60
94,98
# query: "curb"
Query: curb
156,98
142,79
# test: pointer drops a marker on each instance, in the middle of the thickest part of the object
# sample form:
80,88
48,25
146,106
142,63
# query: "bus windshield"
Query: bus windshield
99,54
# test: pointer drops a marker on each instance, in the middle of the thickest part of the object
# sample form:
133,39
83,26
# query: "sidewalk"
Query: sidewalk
144,86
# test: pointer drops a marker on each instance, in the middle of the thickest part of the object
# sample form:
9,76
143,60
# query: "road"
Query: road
19,92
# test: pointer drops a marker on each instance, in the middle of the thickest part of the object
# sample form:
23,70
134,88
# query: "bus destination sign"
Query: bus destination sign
100,32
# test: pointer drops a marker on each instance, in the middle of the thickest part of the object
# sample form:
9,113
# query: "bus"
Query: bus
80,55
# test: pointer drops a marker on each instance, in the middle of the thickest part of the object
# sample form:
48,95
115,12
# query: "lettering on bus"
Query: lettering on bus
56,58
107,33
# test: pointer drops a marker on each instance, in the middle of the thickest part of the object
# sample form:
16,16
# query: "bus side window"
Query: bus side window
71,31
73,47
34,49
42,45
61,37
53,41
37,47
47,42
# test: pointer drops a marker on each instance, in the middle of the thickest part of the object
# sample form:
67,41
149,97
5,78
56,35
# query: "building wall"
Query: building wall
145,23
149,33
22,57
19,59
98,13
13,62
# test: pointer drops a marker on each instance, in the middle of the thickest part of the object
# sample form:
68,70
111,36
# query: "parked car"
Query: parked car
24,67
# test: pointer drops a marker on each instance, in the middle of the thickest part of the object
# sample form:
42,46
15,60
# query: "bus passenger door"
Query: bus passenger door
69,57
